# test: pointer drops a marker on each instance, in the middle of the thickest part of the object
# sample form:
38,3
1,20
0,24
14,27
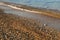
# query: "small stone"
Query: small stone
25,29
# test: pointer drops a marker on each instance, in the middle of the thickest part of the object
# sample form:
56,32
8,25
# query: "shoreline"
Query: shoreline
46,12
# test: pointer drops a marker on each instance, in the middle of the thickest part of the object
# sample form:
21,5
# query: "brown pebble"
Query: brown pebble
19,28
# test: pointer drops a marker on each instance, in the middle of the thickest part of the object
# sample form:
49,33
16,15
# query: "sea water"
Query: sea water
49,4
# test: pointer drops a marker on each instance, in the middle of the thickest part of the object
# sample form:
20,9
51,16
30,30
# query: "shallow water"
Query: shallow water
50,4
51,22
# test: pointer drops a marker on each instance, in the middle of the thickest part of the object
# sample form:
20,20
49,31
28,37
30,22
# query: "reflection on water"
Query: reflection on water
52,4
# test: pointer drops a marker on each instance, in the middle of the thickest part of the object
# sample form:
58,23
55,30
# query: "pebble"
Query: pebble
28,29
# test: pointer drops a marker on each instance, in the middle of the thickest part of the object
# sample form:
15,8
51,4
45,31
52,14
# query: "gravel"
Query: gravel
13,27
